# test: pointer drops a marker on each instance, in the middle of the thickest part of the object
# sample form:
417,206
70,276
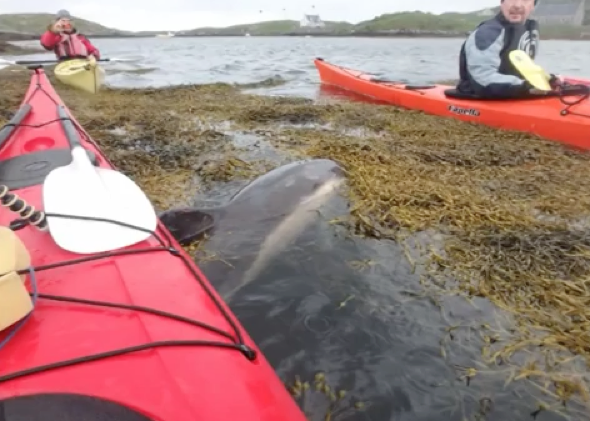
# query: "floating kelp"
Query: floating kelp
514,214
511,209
337,404
155,135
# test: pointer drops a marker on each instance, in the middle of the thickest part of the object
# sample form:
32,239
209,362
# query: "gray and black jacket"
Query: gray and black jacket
484,67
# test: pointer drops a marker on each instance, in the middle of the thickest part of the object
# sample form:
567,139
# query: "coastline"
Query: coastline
6,48
4,36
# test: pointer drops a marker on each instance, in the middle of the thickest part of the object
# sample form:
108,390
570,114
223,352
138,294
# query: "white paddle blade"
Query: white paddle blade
98,193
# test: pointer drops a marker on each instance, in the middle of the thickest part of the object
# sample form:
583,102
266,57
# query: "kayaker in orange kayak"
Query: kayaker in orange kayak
485,69
64,40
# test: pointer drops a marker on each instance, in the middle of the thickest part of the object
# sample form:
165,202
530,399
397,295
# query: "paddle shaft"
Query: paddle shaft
69,128
80,155
31,62
9,128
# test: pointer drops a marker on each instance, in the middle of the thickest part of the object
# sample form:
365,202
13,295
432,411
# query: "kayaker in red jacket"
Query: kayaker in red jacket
64,40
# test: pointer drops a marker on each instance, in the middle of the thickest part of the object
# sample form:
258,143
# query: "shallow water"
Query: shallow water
168,61
346,307
352,308
332,303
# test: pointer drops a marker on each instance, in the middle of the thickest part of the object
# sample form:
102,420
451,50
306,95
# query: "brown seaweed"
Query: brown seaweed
513,209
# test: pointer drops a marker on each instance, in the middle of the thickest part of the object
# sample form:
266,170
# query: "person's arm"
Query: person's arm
50,38
92,50
482,51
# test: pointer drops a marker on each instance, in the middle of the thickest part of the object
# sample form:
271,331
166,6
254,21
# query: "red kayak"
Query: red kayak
137,333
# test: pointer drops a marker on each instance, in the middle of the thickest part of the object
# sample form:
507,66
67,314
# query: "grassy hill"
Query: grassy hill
450,22
17,26
275,27
457,22
36,23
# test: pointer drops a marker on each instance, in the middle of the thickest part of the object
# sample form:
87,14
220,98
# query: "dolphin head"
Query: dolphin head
187,224
270,197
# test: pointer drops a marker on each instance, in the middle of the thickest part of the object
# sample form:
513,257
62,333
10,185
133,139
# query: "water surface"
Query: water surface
168,61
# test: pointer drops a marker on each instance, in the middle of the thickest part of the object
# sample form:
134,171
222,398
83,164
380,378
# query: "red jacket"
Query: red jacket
68,45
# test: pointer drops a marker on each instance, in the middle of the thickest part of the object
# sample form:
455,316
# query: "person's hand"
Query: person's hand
92,61
58,26
528,88
555,81
62,25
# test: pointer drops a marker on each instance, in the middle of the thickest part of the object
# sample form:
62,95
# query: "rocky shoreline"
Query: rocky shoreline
10,49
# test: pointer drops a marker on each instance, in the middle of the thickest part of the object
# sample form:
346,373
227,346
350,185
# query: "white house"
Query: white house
486,12
312,21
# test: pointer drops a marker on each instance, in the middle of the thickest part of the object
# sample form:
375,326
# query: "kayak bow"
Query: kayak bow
564,117
80,75
139,329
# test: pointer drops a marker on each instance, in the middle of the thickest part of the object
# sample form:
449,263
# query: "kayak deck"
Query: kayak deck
140,326
565,120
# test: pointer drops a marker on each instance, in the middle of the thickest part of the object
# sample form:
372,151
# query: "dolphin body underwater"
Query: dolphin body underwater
275,208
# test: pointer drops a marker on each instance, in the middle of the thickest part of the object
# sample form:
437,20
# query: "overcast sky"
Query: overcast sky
137,15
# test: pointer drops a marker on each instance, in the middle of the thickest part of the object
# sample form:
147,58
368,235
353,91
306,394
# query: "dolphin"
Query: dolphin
272,211
289,228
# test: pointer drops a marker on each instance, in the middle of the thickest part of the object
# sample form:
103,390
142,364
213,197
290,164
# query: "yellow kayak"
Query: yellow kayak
80,74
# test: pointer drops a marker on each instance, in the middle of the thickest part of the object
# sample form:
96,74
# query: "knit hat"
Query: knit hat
62,14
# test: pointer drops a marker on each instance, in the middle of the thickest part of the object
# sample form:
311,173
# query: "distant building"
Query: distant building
312,21
486,12
570,13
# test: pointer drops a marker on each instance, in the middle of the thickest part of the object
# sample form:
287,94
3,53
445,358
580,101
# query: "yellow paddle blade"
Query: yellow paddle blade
529,70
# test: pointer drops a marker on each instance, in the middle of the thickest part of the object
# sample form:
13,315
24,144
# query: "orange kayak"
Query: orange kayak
563,117
576,80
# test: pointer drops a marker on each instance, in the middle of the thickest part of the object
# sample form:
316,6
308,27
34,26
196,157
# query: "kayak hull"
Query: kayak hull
164,368
78,74
576,81
547,117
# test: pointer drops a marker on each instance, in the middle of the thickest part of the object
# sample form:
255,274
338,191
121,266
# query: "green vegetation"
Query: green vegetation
563,32
455,22
412,22
418,21
276,27
36,23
